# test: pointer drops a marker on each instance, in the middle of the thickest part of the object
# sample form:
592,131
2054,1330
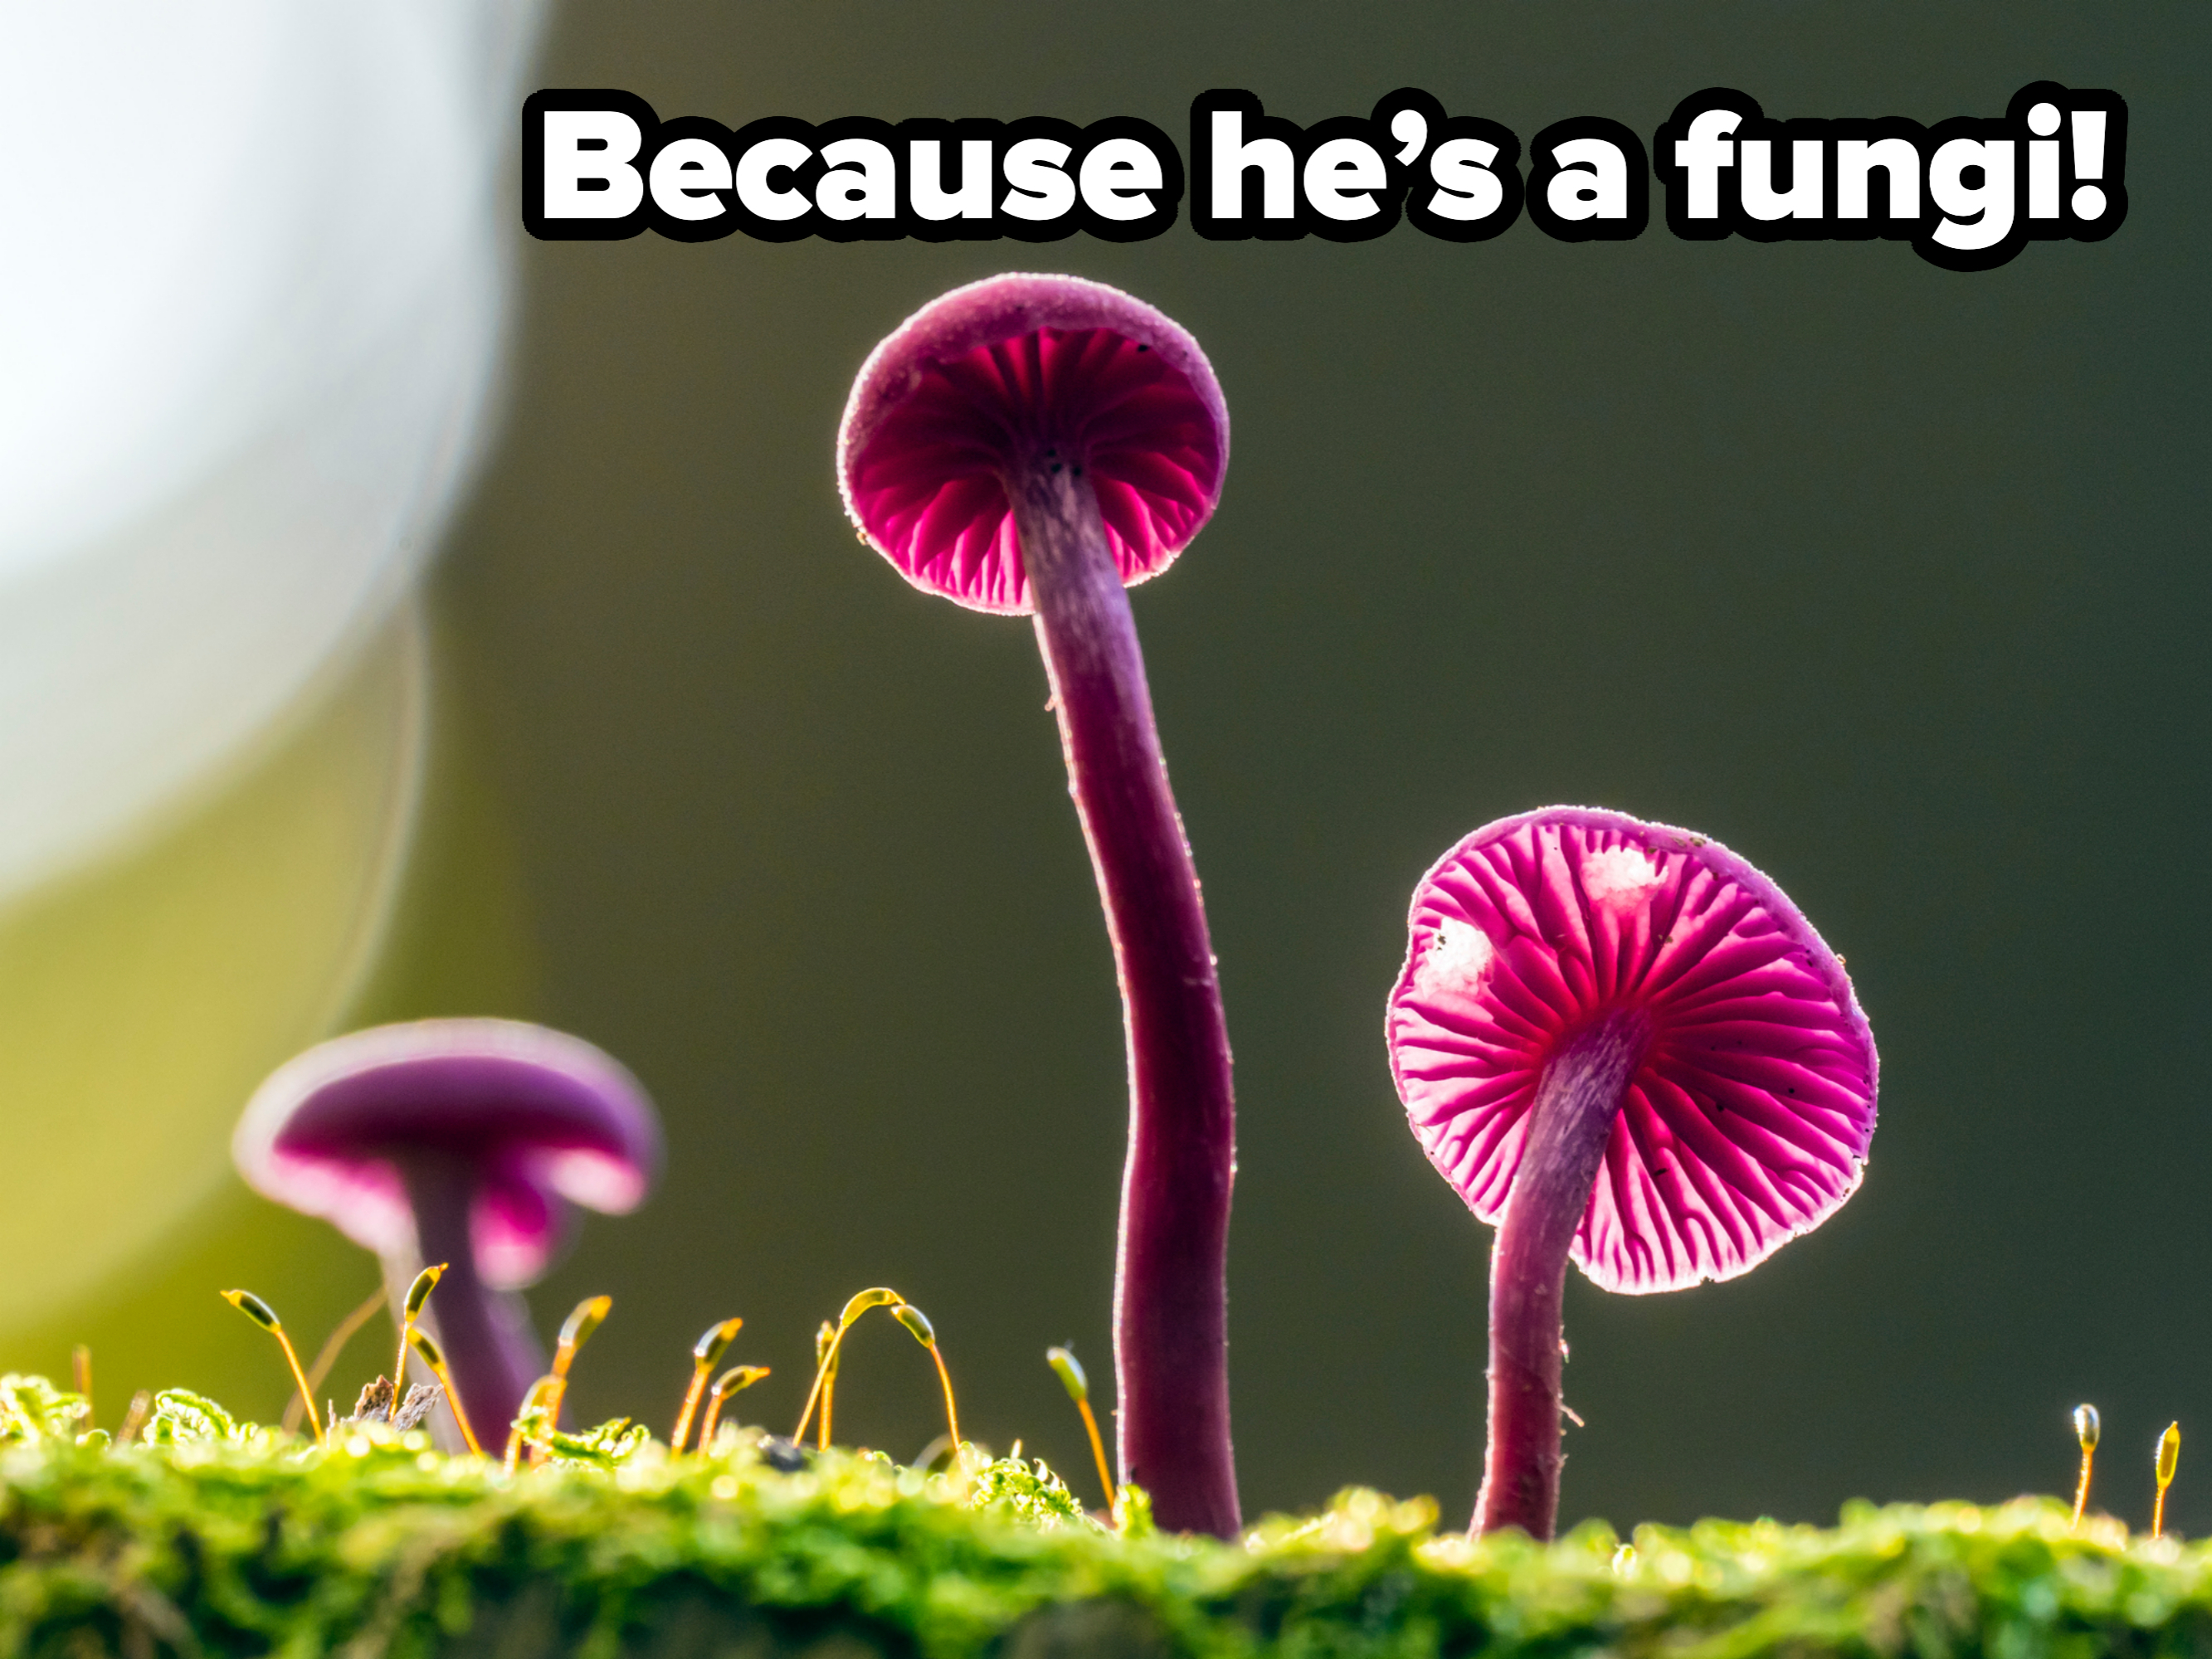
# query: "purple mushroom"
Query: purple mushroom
1622,1044
460,1141
1032,445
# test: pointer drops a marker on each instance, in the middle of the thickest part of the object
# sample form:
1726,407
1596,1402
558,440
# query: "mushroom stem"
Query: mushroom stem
490,1347
1577,1101
1170,1294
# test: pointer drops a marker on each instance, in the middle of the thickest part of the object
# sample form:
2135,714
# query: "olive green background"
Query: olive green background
1894,579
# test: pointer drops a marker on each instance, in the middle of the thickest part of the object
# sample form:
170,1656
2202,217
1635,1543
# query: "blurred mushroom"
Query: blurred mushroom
1035,443
1622,1044
462,1141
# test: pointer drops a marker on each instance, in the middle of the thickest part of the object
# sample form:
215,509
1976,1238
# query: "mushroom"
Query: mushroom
460,1141
1031,445
1620,1044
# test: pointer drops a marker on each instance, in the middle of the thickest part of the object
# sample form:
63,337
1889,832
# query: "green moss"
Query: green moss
229,1539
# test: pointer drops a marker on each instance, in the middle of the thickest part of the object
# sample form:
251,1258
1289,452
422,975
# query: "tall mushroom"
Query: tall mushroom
1031,445
461,1141
1620,1044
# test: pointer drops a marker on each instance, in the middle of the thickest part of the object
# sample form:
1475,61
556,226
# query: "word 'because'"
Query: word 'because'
1968,193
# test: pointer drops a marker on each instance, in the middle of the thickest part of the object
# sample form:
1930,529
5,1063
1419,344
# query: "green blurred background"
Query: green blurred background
1892,578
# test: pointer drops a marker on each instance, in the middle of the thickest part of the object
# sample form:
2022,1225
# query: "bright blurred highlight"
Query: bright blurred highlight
242,401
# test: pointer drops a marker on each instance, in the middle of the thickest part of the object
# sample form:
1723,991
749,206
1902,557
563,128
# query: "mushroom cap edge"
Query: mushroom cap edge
1614,1262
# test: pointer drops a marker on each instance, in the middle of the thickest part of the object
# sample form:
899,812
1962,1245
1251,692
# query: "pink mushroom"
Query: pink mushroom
1622,1044
1030,445
462,1141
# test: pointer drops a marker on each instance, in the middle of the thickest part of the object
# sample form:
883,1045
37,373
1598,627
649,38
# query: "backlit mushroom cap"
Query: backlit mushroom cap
539,1116
1748,1120
997,373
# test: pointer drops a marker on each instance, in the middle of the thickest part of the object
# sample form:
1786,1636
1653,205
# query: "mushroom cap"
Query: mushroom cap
1747,1122
542,1117
995,374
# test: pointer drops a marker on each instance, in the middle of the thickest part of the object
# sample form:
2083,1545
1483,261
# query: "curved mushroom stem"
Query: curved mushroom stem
491,1350
1170,1291
1580,1095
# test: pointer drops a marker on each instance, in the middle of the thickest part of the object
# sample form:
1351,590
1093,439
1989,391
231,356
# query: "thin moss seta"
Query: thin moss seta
265,1316
576,1329
141,1407
533,1408
422,1342
81,1381
2169,1458
2085,1431
1069,1371
705,1354
918,1326
409,1310
826,1349
333,1345
735,1380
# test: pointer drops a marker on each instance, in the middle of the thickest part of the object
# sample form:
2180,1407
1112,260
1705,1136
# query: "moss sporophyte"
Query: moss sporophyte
211,1536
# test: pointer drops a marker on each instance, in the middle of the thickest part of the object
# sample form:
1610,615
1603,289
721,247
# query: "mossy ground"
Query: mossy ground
233,1541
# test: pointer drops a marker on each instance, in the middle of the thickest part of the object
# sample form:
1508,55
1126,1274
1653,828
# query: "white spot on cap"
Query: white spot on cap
1459,954
1620,876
